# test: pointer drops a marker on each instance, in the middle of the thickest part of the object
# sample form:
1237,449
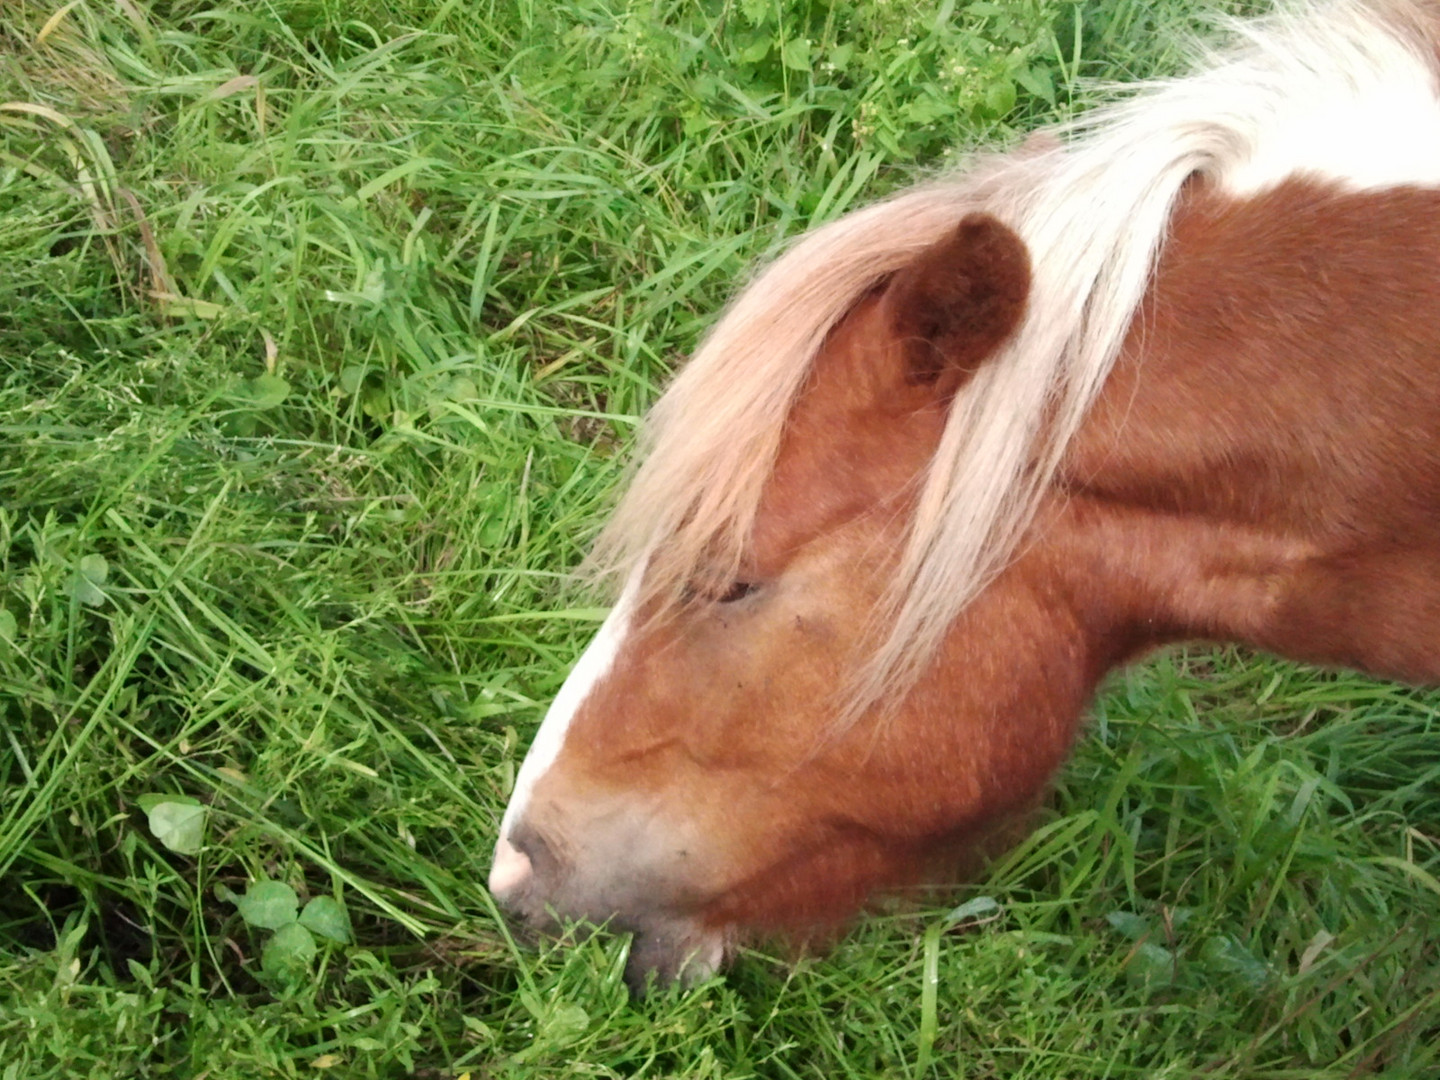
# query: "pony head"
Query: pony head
691,779
881,548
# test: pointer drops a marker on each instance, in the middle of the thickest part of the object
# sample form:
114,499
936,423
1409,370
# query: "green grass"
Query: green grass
324,325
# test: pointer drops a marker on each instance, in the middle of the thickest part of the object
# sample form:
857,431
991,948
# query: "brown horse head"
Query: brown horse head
955,457
699,787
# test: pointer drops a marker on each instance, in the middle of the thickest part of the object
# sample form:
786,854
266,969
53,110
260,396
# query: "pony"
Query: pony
1171,373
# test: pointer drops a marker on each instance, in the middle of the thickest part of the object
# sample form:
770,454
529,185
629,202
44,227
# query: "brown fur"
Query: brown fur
1263,466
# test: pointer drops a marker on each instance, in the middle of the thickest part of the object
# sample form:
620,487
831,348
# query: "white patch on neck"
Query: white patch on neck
1340,95
1385,139
594,664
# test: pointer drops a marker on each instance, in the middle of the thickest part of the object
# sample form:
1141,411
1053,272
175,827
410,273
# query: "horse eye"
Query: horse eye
738,591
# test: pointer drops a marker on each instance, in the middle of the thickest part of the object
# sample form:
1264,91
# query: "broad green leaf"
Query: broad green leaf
269,905
757,50
326,917
90,577
756,12
1150,965
288,953
241,425
926,109
1037,80
154,799
565,1023
87,593
1223,955
177,821
796,54
352,378
267,391
375,403
557,1025
493,531
1129,924
1000,97
462,389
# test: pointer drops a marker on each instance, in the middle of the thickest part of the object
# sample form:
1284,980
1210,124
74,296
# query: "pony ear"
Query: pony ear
958,302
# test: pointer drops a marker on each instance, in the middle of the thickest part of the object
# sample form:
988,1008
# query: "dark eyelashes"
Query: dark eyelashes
717,593
737,591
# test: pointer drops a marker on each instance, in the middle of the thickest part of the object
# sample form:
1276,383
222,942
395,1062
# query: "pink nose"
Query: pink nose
510,871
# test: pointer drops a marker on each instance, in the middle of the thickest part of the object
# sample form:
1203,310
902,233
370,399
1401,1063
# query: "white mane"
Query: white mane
1345,90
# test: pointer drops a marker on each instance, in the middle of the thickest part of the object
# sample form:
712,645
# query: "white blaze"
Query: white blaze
511,867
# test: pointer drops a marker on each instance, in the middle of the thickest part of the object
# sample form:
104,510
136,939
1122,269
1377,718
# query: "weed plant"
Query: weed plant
324,326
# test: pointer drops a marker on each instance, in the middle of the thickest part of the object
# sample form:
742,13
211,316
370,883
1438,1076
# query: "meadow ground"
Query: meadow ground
324,325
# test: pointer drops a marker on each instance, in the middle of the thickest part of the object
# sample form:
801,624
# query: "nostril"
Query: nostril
524,864
510,871
531,844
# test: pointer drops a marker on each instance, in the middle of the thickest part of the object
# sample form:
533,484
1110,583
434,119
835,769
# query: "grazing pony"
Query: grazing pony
1173,375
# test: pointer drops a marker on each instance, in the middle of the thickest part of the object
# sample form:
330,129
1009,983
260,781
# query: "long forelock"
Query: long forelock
1093,209
708,446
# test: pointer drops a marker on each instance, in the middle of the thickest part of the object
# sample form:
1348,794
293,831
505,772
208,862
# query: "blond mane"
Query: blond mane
1093,211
